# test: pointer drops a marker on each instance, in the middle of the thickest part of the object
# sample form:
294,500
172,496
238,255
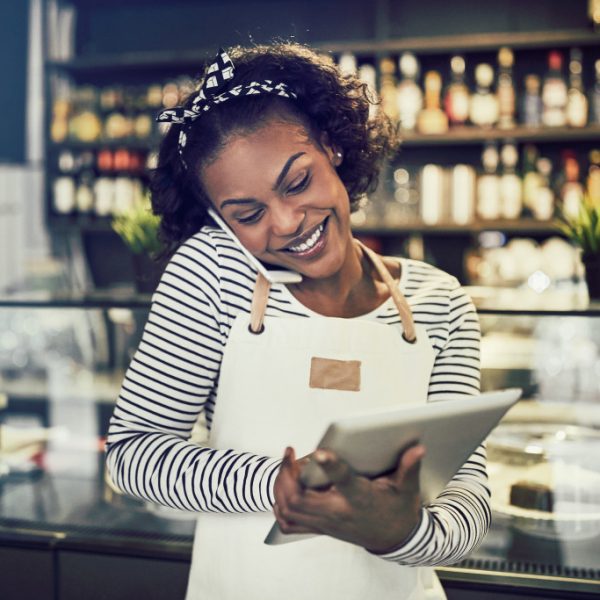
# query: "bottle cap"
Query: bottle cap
484,75
506,57
409,65
555,60
457,65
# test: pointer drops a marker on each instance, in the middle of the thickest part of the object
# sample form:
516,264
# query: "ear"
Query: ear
334,154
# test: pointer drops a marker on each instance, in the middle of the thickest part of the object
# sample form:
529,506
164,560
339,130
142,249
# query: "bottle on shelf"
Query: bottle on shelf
531,177
484,103
531,104
571,190
543,205
595,95
368,75
347,63
403,207
432,194
408,95
594,13
143,120
432,119
84,195
59,126
554,93
154,103
457,98
387,88
488,184
117,124
85,124
506,89
511,186
577,102
462,194
593,178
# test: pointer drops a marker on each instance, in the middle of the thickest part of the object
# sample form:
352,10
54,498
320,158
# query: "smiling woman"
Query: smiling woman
279,144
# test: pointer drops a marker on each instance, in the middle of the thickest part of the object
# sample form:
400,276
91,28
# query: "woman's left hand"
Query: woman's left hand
377,514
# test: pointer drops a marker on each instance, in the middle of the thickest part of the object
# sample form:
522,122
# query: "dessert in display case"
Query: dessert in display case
62,359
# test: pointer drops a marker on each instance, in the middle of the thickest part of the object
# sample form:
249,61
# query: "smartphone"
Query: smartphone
274,275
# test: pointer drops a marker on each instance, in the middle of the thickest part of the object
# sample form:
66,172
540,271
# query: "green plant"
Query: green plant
138,227
583,229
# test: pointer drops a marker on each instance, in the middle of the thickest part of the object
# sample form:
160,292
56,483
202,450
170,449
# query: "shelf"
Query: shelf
423,45
128,144
508,226
477,135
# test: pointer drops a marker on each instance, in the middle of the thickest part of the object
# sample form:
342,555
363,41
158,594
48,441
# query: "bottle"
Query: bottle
84,196
595,99
593,178
456,101
554,93
531,178
594,13
387,88
432,194
532,106
462,194
571,192
432,119
511,188
577,103
488,184
368,75
506,89
408,95
85,124
154,103
543,205
484,103
117,124
143,118
347,64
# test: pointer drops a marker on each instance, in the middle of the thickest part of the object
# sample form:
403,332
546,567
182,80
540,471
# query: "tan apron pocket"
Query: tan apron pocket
330,374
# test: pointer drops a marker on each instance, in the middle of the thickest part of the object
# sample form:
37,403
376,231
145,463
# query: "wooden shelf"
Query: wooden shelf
423,45
509,226
477,135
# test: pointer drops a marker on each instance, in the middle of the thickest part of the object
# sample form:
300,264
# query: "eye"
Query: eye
251,218
295,189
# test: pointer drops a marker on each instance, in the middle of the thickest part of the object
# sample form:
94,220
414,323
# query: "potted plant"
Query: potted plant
138,228
583,229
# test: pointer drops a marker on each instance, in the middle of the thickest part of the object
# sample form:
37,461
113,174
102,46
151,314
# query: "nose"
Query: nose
286,220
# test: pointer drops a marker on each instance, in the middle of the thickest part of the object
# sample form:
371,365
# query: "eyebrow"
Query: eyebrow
280,178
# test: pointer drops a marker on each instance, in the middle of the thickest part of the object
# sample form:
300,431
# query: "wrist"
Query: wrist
405,539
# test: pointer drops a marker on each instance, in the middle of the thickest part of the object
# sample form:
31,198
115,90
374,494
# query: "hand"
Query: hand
377,514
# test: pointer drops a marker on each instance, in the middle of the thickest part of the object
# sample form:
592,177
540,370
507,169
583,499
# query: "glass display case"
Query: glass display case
62,359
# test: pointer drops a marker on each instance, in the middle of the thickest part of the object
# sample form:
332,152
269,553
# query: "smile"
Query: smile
310,242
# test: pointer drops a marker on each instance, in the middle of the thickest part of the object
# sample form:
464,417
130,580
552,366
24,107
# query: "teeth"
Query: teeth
310,242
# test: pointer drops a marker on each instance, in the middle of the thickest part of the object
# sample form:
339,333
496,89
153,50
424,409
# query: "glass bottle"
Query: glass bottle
456,101
593,178
543,206
409,95
85,124
571,191
368,75
347,63
531,177
531,108
577,103
387,88
506,89
484,103
511,187
432,119
595,99
488,185
462,194
554,93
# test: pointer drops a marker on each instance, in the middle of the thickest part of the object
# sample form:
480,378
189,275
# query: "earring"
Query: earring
338,158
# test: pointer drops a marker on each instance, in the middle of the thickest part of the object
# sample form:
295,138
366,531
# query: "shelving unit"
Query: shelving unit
104,67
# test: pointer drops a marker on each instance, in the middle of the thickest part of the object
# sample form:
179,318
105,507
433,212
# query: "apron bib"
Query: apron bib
265,402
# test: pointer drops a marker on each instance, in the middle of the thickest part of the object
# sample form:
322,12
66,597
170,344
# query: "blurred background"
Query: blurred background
497,182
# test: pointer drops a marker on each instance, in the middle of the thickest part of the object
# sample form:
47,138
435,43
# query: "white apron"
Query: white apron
265,403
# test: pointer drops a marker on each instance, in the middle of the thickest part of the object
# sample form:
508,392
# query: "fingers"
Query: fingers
287,525
339,472
409,466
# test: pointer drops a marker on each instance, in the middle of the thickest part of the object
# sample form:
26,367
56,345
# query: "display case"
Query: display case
62,359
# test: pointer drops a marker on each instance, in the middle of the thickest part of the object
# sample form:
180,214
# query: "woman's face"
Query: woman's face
281,195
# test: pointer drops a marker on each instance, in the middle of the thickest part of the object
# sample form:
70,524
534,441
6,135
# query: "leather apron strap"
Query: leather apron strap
262,287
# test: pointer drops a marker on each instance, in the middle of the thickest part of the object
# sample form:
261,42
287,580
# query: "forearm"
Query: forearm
454,524
166,469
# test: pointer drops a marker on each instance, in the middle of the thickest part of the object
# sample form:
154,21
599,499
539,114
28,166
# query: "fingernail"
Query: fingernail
321,457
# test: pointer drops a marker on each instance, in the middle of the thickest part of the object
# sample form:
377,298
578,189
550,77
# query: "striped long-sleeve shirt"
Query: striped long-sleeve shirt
173,379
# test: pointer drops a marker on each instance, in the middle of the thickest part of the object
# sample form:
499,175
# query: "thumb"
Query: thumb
409,467
339,472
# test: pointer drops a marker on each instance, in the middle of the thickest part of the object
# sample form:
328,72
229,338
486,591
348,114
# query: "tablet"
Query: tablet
450,430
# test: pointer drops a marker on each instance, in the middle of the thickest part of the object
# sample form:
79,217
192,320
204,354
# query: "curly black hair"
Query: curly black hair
327,102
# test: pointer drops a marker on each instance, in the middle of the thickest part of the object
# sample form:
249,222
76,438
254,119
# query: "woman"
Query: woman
281,146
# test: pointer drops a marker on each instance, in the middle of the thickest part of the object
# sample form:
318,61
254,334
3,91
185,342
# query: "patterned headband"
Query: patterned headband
213,92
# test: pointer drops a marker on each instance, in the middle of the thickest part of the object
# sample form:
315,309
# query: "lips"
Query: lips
307,240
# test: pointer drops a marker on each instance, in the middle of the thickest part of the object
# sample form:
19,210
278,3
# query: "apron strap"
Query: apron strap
260,297
399,300
262,287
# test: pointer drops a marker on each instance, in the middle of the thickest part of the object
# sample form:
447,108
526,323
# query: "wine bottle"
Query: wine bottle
408,95
484,103
554,93
457,98
577,102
